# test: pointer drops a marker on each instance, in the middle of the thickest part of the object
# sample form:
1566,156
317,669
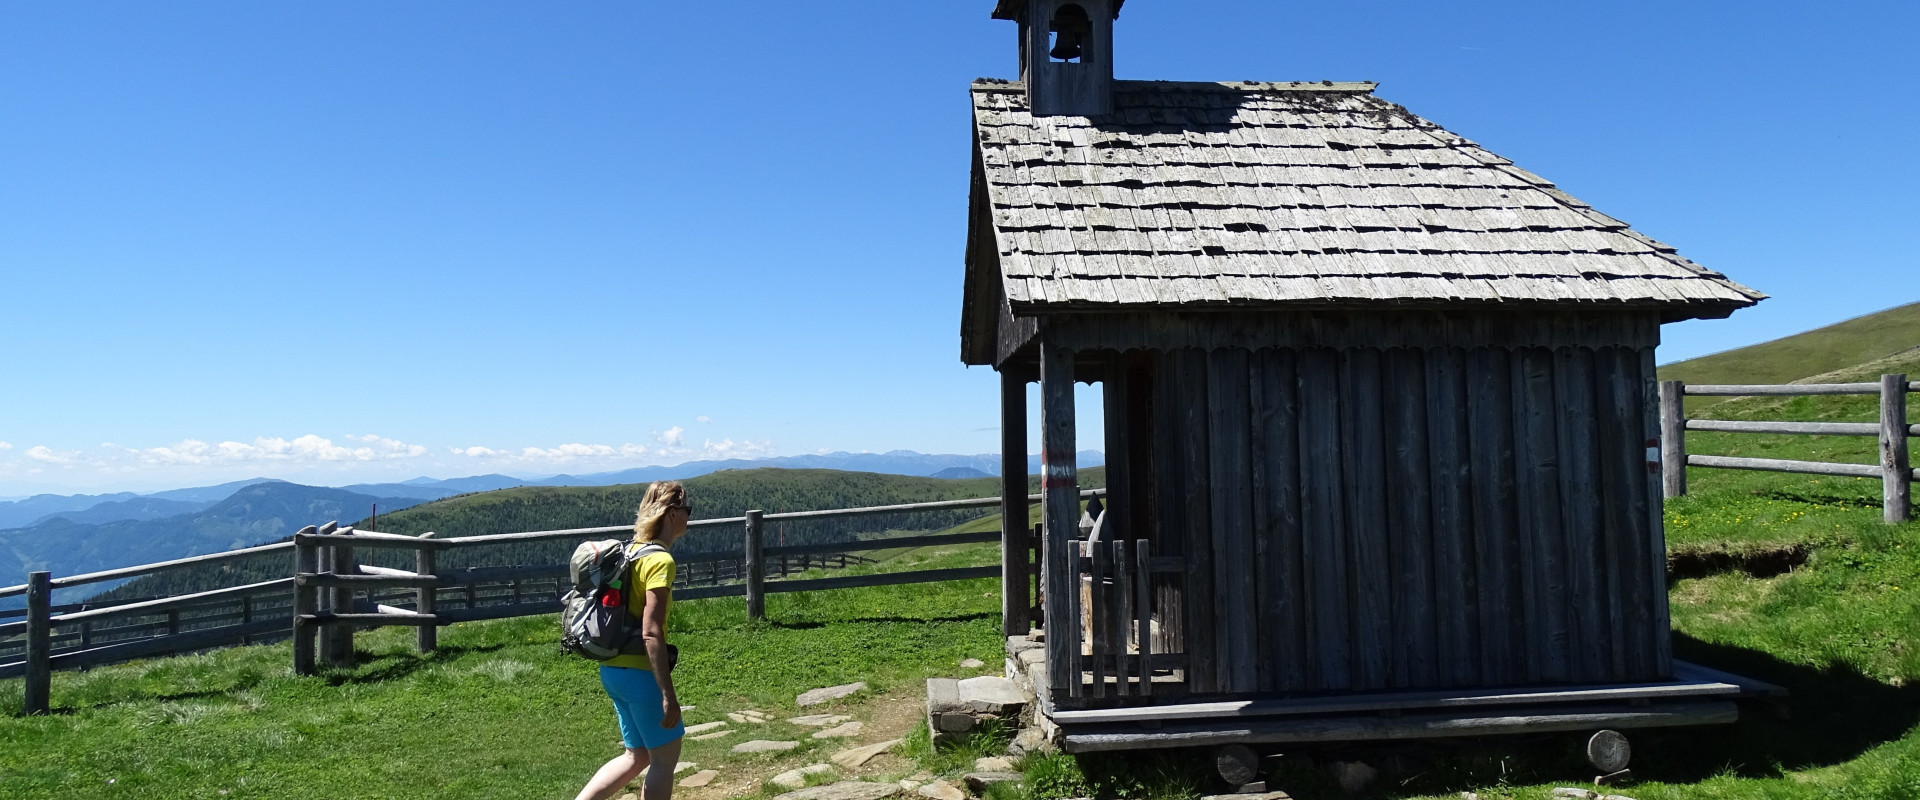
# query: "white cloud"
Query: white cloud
673,436
562,454
45,454
729,448
6,445
703,418
308,449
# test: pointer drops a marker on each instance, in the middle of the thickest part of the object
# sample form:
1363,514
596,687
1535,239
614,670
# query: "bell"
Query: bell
1066,45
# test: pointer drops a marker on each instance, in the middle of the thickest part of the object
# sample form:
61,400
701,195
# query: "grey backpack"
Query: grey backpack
594,622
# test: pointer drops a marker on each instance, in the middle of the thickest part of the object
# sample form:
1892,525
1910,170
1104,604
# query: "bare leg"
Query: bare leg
617,773
660,781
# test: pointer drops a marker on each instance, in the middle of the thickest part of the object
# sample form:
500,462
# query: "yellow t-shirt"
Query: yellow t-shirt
654,570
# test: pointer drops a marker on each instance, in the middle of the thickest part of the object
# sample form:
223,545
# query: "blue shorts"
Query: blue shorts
636,698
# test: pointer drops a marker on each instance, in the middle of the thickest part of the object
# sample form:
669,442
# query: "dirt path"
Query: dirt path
890,715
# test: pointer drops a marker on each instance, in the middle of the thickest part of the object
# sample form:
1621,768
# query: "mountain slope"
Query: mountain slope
1834,347
254,515
138,508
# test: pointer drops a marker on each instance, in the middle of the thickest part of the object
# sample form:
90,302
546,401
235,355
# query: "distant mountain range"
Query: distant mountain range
255,514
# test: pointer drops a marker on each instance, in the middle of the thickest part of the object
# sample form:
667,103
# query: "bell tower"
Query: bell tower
1066,54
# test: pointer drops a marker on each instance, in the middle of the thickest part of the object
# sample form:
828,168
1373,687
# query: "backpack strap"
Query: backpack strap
637,645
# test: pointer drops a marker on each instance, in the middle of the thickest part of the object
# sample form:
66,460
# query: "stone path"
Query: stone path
844,790
796,778
818,696
842,731
764,746
853,758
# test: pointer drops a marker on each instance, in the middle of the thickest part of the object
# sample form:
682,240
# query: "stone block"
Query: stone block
991,694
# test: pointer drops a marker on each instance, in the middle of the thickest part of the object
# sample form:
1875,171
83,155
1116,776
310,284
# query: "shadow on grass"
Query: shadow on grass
1833,716
370,667
812,624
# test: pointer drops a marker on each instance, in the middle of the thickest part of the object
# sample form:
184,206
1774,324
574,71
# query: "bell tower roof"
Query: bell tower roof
1012,9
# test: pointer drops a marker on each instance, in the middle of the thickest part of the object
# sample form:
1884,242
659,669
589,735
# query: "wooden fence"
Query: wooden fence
1895,470
330,593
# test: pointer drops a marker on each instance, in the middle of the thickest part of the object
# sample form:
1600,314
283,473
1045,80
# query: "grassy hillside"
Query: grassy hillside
1835,347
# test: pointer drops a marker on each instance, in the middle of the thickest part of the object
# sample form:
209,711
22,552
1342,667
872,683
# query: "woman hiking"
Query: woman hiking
642,685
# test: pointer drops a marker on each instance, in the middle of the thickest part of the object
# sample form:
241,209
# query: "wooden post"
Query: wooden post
1037,611
344,563
1014,567
173,622
1060,510
427,637
246,616
306,600
756,574
1673,438
1896,480
39,643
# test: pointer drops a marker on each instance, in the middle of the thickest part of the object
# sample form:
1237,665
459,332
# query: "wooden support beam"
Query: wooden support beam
1060,512
1554,719
1015,571
425,600
39,644
1673,438
755,566
306,558
340,637
1896,481
1786,465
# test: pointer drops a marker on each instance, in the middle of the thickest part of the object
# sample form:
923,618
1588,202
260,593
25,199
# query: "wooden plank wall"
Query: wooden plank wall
1389,518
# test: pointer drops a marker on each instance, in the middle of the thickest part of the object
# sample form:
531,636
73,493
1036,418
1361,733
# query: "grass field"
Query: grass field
1784,360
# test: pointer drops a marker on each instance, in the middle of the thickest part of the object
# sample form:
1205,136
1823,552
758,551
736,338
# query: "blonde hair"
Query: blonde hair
652,515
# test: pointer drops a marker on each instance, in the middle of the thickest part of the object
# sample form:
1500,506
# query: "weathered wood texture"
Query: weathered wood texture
1016,573
39,643
756,571
1897,479
1363,519
1059,504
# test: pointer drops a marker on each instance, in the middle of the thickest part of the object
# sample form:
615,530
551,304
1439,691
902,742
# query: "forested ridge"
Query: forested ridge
718,495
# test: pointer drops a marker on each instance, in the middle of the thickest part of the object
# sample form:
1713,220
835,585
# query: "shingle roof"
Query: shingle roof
1257,194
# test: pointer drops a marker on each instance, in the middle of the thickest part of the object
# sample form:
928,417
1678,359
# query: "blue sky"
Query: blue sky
358,241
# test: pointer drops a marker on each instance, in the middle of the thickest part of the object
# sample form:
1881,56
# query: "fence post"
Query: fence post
756,574
340,635
306,602
424,601
39,643
1673,438
1896,479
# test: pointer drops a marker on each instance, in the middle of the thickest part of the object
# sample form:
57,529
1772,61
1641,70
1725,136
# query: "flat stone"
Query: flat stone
943,696
764,746
953,723
941,790
701,778
1029,658
908,784
715,735
819,720
972,663
1021,644
694,730
844,730
979,781
993,764
844,790
853,758
818,696
992,694
746,717
1250,796
796,778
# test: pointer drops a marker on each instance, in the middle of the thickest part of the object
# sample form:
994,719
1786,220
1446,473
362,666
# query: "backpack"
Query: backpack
594,621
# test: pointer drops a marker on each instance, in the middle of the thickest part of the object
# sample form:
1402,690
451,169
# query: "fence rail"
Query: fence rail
330,594
1894,470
